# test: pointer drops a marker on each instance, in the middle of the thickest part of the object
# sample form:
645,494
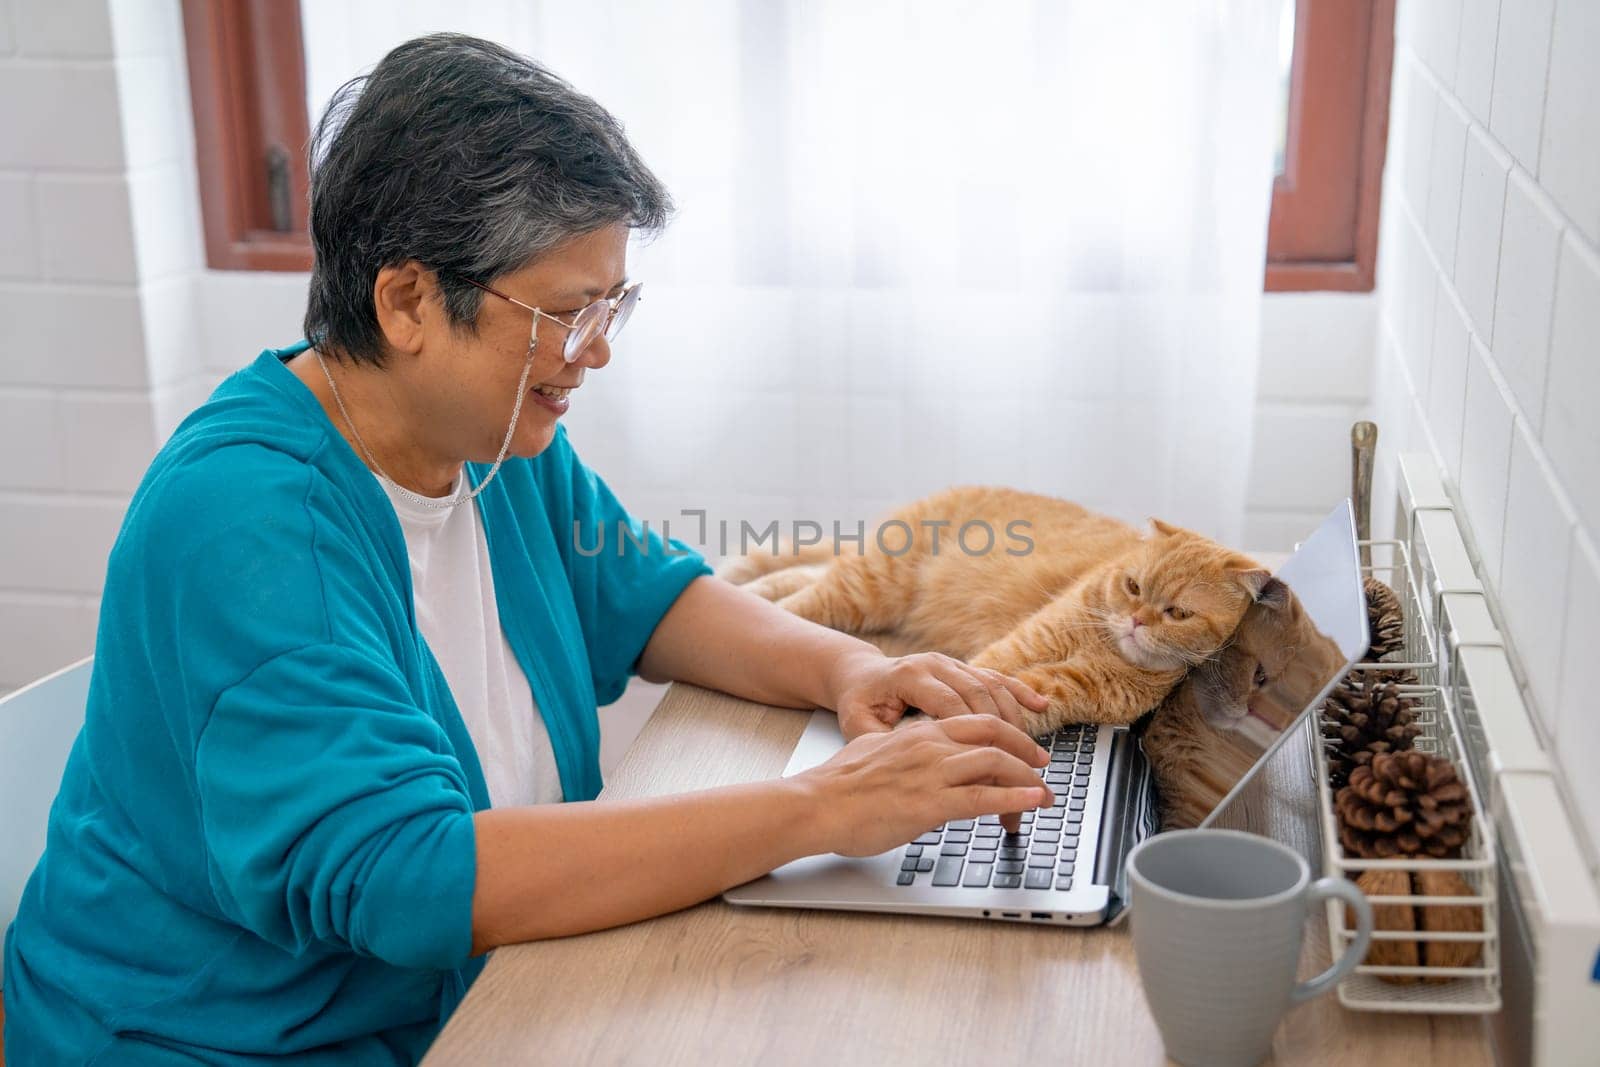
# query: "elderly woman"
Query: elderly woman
341,735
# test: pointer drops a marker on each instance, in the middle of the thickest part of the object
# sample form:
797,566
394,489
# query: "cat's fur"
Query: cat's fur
1060,616
1199,741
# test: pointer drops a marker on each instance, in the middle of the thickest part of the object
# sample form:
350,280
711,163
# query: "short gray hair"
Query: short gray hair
468,158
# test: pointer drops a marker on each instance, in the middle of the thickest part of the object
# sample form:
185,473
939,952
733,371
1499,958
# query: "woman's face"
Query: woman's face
472,378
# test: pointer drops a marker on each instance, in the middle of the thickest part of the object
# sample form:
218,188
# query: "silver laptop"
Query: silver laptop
1066,865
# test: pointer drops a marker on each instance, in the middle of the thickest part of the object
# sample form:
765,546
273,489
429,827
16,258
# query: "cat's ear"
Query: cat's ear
1274,595
1253,579
1165,529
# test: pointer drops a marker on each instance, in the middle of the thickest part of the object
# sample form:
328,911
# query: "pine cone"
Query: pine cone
1363,716
1404,804
1387,623
1432,917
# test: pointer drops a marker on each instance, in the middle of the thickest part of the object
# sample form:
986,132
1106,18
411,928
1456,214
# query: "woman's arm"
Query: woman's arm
722,637
719,636
559,869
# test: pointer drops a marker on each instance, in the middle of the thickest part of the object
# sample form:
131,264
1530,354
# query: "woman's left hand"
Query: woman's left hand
871,692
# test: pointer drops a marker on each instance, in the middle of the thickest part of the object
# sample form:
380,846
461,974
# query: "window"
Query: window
1323,232
247,84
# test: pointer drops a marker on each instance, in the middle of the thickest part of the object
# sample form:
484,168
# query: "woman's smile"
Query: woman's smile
554,398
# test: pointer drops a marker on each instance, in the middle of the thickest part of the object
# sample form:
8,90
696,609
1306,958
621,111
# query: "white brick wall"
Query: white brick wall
99,251
1489,325
1315,379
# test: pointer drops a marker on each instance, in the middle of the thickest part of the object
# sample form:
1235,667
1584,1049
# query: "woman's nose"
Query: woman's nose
596,353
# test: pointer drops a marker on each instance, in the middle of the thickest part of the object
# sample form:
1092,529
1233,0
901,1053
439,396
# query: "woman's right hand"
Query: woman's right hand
884,789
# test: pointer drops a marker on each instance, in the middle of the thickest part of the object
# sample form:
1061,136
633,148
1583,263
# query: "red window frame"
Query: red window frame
247,84
1323,232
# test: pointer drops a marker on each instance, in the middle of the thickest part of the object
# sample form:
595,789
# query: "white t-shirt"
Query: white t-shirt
454,592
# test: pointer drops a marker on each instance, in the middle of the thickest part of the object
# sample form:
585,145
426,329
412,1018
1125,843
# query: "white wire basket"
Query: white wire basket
1462,990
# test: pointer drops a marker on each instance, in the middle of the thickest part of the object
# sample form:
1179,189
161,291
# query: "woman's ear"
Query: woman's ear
399,298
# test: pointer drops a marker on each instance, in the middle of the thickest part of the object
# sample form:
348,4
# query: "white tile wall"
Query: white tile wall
146,28
71,335
19,248
240,313
1512,299
1577,724
1301,459
1441,34
1316,346
1483,200
154,105
71,120
1533,570
85,228
1571,429
41,632
1486,455
89,421
1314,381
166,222
68,28
1475,56
1447,379
1525,292
1444,186
1569,158
1521,60
99,249
30,440
56,542
1415,152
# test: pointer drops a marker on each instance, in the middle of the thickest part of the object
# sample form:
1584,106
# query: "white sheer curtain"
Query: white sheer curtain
918,244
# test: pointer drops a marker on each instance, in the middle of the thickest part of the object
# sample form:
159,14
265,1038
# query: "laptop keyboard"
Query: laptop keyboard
1043,854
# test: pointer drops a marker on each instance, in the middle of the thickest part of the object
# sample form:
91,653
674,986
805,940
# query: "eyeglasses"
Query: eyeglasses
607,315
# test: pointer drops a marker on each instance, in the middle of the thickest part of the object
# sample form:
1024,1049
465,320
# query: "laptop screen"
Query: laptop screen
1304,632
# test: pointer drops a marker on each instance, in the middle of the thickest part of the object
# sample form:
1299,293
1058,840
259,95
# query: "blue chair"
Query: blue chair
38,724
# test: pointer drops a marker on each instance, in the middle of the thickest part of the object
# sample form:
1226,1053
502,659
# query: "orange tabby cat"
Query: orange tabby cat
1227,711
1095,617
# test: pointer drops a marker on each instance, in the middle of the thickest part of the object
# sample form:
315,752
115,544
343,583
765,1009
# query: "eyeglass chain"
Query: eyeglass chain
418,498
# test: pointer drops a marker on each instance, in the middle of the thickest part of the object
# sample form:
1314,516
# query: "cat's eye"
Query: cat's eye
1178,614
1261,676
1133,586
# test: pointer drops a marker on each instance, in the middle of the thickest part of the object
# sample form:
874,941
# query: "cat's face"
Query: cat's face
1267,674
1178,599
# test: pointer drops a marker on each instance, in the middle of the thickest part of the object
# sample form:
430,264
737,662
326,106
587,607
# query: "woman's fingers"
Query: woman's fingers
1011,708
991,766
1024,693
979,769
936,699
988,730
1007,801
981,695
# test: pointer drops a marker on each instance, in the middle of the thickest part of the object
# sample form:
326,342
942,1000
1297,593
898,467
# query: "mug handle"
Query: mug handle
1345,890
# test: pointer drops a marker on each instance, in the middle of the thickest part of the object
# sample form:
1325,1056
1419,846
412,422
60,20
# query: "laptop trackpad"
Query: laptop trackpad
820,741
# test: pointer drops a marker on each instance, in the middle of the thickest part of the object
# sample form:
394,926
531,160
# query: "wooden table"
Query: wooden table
722,985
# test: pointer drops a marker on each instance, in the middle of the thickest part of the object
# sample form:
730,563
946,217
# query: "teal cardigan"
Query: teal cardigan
263,841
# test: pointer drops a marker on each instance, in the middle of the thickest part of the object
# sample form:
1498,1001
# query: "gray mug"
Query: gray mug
1218,919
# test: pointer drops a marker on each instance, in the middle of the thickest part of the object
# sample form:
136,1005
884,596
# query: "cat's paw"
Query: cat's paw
1048,721
740,569
779,584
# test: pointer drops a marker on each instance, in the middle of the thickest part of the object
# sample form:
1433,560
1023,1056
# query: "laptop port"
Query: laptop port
1045,915
1011,914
